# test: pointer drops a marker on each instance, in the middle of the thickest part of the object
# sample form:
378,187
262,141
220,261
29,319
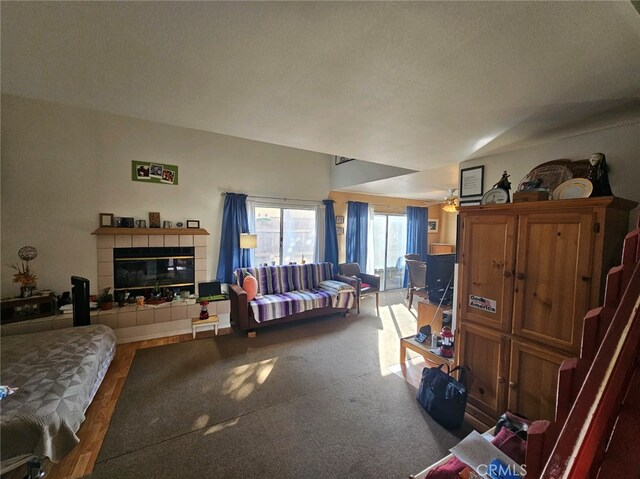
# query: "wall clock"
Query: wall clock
495,196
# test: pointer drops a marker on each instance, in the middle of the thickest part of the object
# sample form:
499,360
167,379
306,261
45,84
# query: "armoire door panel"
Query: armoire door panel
533,380
486,266
553,273
486,354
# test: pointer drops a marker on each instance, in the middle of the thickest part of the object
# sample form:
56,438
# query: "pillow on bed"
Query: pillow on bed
250,285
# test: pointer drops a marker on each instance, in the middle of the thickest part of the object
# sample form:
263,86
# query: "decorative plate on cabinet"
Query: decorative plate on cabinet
575,188
495,196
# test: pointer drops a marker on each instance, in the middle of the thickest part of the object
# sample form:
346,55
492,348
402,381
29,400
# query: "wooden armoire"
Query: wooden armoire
527,275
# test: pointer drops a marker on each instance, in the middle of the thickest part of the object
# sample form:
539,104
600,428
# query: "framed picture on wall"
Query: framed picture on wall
339,220
432,225
472,181
340,230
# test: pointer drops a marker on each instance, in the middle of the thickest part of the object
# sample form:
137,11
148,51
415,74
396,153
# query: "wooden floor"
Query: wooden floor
81,460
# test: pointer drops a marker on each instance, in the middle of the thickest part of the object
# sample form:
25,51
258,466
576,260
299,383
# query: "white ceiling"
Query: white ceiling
417,85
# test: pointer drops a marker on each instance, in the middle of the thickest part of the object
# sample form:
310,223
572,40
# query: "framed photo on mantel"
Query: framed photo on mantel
471,181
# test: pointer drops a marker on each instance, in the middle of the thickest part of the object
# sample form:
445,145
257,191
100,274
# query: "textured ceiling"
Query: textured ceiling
411,84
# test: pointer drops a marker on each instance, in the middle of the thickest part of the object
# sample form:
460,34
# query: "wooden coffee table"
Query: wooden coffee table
430,355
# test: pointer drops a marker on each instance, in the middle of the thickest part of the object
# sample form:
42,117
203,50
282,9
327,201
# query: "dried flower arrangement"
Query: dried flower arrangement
24,277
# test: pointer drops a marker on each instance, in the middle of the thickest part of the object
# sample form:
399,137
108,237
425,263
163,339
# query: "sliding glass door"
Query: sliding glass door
389,248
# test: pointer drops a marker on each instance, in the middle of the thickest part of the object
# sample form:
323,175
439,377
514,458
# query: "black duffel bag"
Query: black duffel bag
442,396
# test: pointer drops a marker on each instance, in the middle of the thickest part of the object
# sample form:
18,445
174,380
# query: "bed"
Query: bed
58,374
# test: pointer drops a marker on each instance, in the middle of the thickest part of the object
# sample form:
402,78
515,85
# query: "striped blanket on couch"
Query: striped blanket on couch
295,288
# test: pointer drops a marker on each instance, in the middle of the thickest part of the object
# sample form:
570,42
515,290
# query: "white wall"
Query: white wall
620,144
357,172
62,165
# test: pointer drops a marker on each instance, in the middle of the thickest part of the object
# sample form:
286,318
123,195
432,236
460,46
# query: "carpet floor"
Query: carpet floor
311,399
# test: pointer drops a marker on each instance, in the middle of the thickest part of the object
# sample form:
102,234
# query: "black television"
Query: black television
80,295
440,270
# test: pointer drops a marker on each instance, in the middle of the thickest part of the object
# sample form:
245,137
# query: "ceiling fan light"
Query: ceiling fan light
450,208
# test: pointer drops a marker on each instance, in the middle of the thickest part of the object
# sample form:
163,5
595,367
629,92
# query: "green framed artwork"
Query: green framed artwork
151,172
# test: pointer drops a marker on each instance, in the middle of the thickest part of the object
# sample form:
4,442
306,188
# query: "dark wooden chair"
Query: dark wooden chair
368,284
411,256
417,280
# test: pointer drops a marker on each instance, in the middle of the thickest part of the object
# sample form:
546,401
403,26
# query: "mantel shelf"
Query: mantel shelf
150,231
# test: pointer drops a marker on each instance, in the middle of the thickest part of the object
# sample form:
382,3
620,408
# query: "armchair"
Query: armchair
417,279
367,283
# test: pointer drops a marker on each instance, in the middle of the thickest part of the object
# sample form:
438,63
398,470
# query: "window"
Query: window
285,235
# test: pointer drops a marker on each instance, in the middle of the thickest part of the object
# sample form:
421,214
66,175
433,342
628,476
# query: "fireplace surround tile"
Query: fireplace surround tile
186,240
178,312
105,255
126,319
171,240
140,241
123,241
199,240
161,315
105,282
156,241
106,241
144,316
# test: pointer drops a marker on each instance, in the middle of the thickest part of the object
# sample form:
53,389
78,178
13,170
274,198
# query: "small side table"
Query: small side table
200,323
423,349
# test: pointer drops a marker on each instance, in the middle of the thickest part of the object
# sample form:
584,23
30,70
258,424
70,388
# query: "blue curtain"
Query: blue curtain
330,235
357,223
417,226
234,222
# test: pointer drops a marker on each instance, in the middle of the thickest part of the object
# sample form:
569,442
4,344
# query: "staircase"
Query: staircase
597,413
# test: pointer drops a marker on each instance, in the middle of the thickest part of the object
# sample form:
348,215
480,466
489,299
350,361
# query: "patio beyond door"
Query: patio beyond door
389,248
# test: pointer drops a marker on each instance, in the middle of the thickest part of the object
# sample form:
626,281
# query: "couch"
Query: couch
289,293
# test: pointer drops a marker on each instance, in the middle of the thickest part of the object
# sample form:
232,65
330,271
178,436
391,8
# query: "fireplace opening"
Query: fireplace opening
136,269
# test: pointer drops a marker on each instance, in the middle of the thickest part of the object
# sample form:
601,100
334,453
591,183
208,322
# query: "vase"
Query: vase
26,291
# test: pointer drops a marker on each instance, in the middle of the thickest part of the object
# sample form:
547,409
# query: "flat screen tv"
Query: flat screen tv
440,270
80,296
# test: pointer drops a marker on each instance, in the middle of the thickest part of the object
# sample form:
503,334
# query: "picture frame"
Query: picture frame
432,225
154,219
339,220
474,202
106,220
193,224
340,231
472,181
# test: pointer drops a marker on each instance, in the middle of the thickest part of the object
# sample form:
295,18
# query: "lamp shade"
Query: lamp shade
248,241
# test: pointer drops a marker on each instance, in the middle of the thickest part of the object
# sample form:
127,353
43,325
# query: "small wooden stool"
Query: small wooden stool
199,323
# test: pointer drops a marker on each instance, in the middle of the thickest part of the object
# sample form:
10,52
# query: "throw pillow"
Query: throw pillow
250,285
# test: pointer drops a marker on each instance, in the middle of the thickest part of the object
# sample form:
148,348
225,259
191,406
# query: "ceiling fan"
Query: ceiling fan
449,202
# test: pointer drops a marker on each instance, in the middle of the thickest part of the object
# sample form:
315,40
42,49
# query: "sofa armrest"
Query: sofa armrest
372,279
239,306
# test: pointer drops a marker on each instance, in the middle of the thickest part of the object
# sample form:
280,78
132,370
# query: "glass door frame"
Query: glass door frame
385,275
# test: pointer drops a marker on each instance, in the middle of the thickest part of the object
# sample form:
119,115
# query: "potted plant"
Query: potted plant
105,300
